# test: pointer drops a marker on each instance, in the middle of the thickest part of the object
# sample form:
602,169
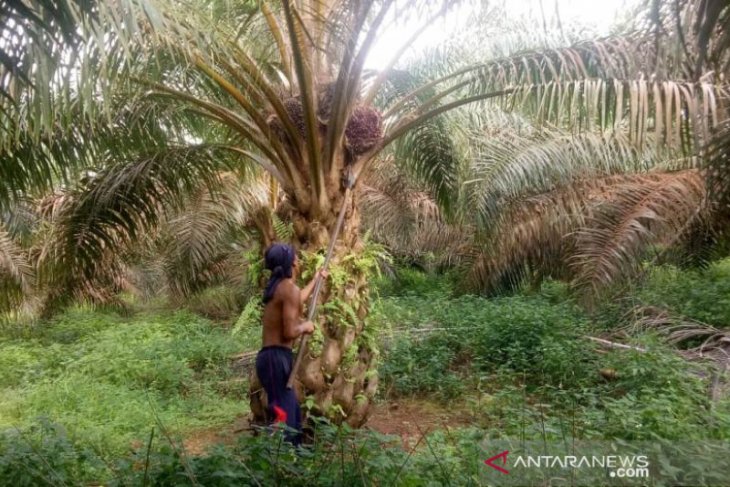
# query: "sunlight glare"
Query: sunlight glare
595,16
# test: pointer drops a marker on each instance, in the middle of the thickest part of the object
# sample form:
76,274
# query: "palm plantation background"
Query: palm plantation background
152,149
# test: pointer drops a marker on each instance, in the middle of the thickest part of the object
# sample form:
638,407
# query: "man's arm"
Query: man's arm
292,324
309,288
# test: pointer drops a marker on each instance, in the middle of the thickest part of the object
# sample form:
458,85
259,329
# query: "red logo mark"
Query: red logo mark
503,456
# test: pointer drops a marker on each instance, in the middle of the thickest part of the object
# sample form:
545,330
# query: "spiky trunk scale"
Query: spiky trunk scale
338,371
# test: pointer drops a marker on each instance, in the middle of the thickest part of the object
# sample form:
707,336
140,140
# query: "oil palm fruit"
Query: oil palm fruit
364,130
296,113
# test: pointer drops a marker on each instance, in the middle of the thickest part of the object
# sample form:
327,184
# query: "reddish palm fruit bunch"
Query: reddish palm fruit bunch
276,126
364,130
295,110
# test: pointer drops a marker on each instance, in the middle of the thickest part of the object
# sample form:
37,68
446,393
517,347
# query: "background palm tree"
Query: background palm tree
547,192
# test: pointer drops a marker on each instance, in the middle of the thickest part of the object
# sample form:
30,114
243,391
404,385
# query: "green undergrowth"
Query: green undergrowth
219,303
524,368
520,367
108,379
699,294
335,456
46,455
444,346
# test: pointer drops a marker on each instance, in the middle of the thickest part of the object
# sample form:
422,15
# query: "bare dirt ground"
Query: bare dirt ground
407,419
197,442
411,419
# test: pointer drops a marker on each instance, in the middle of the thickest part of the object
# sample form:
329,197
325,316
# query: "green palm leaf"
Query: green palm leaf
16,273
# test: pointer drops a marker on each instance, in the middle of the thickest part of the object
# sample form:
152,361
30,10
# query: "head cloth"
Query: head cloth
279,259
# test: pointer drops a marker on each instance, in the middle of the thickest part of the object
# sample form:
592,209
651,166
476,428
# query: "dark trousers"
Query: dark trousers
273,366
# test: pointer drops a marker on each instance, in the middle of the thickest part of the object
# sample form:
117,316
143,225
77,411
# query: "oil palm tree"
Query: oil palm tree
587,203
584,208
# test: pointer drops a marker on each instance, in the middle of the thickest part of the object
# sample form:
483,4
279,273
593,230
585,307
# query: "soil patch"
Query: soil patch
408,419
197,442
411,419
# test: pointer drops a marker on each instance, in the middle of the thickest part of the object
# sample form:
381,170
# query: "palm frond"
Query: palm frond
651,209
594,233
21,221
682,332
509,165
117,206
528,238
717,164
695,33
57,58
196,238
598,85
428,151
401,213
16,273
392,203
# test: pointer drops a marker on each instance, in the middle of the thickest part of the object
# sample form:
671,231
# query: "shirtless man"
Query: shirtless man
283,302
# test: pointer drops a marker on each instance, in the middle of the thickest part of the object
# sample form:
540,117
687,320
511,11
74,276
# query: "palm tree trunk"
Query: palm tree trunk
338,368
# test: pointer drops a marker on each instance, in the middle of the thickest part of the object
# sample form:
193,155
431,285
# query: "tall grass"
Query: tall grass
108,378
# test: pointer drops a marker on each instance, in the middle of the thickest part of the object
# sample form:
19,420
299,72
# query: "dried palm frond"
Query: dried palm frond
91,226
196,240
529,236
391,200
593,232
655,208
714,343
61,275
399,213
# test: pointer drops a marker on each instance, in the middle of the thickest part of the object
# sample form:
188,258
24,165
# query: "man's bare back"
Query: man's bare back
282,323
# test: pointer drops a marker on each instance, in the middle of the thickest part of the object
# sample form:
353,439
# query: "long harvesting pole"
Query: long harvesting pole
318,285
